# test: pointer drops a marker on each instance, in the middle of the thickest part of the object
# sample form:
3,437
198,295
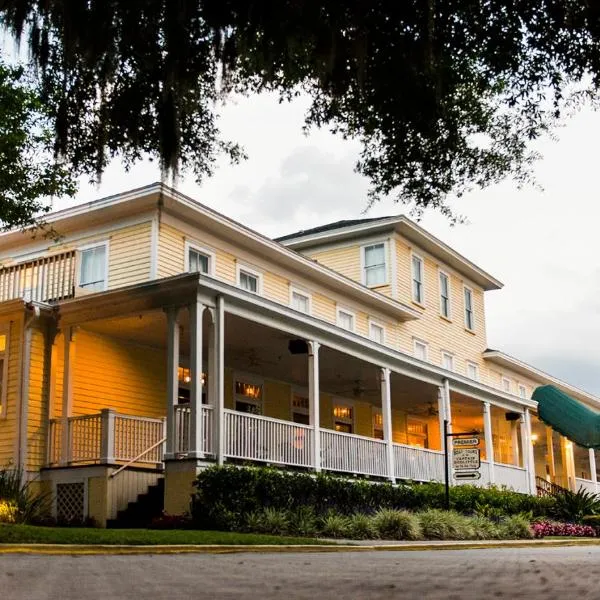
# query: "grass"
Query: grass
30,534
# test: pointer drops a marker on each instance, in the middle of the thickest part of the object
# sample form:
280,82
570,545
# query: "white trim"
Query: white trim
503,381
523,387
416,342
239,267
363,263
470,363
210,254
347,402
341,309
294,289
420,301
90,246
252,379
374,323
451,355
469,289
393,267
154,232
441,272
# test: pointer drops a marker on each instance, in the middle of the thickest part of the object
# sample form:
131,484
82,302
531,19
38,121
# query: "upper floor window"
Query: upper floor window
248,396
300,301
420,349
378,424
472,371
469,315
506,384
93,268
444,295
374,265
376,332
522,392
198,262
448,361
345,319
417,279
249,280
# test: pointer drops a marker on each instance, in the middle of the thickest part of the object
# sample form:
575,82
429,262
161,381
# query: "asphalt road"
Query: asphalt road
571,573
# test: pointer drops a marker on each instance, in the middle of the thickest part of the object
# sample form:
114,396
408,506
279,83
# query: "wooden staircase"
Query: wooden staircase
547,488
143,510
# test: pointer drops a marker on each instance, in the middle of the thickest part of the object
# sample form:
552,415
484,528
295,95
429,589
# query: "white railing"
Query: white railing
133,436
349,453
514,478
586,484
253,437
46,279
418,464
84,437
182,429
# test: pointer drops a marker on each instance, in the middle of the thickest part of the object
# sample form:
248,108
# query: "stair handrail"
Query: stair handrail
548,488
137,458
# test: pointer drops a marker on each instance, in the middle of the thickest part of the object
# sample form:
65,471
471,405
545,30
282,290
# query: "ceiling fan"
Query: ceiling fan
253,359
431,410
358,390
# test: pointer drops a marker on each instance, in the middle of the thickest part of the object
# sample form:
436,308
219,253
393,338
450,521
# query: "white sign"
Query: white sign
473,441
467,475
466,459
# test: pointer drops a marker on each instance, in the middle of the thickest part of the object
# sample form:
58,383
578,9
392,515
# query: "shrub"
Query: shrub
574,506
393,524
484,529
516,527
254,522
166,521
31,506
275,521
335,526
303,521
445,525
550,528
361,527
8,511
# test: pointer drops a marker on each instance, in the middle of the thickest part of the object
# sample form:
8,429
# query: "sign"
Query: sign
472,441
466,459
467,475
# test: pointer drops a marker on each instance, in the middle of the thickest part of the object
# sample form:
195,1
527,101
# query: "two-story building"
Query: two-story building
156,336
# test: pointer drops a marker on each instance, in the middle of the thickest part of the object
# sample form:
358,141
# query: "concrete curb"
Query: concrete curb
97,549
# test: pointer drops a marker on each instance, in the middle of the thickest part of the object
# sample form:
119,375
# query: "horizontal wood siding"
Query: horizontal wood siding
129,255
171,251
344,260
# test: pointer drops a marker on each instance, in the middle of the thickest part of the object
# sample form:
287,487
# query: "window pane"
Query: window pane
300,302
417,269
93,267
346,320
375,275
448,362
376,333
420,351
248,282
199,263
374,255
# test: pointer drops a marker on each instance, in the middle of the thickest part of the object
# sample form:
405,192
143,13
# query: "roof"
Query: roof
344,231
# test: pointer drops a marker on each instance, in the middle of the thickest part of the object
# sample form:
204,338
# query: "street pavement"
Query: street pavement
566,572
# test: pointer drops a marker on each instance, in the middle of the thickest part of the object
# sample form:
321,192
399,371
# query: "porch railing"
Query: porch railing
586,484
349,453
511,477
182,429
418,464
46,279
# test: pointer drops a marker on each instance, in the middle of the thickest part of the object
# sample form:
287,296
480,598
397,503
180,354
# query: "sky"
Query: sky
543,244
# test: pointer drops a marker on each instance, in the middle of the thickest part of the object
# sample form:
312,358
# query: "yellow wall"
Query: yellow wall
344,260
129,255
171,244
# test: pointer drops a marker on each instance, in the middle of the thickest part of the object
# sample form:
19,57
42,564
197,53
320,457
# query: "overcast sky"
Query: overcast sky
543,245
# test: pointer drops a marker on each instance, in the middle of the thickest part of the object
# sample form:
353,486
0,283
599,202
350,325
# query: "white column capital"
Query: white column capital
313,347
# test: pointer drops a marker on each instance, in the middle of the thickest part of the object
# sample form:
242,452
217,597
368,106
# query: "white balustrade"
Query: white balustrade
511,477
182,429
418,464
133,436
349,453
586,484
84,438
253,437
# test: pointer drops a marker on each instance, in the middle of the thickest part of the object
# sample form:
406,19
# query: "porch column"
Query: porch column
67,399
218,372
489,440
172,377
568,462
386,411
313,400
593,475
528,456
196,445
550,459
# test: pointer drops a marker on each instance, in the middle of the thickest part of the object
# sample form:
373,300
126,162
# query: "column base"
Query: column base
179,478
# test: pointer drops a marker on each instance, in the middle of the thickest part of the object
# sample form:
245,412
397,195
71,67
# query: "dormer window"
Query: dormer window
374,265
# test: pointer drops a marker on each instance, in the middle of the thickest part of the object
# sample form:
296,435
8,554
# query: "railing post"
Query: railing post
67,399
528,456
107,429
172,377
489,440
593,475
314,400
386,411
196,310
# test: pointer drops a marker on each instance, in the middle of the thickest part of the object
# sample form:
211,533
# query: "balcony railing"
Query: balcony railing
46,279
182,429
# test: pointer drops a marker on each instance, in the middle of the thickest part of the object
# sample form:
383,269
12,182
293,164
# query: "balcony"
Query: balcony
47,279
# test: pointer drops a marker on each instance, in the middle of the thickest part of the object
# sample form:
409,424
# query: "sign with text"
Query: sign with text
472,441
466,459
467,475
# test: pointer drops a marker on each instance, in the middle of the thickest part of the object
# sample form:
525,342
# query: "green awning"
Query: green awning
568,416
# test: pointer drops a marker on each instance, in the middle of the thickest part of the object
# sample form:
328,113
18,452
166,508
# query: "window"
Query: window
420,350
417,279
345,319
248,281
300,409
472,371
416,433
506,384
300,302
447,361
343,418
198,262
248,397
376,332
469,317
374,265
444,295
378,425
522,391
3,370
93,268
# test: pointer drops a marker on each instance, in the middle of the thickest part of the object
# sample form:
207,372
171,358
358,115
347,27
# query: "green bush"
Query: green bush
26,504
303,521
515,527
484,529
275,521
393,524
361,527
445,525
574,506
335,526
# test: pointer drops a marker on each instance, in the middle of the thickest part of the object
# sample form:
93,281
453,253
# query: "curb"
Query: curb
107,549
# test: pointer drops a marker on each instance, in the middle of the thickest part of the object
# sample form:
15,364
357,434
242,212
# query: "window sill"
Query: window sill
419,304
447,319
471,331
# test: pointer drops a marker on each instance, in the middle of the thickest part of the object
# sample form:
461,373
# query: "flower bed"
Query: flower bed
549,528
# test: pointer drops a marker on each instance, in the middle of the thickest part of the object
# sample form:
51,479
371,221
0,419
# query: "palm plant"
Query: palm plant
574,506
30,505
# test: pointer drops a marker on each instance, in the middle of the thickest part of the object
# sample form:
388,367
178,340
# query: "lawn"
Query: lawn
29,534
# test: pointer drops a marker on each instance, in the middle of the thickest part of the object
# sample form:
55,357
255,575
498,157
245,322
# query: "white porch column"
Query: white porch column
67,399
386,411
195,449
172,377
528,452
218,372
593,475
314,400
489,440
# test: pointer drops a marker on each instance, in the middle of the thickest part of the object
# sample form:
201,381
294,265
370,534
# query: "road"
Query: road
449,574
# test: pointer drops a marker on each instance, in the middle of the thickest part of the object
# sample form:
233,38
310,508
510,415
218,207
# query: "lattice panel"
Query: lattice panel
69,502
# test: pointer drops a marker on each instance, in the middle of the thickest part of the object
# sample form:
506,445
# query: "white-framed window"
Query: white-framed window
248,394
300,407
447,361
4,335
374,264
472,370
444,295
506,384
522,391
343,416
346,319
300,301
199,259
377,418
420,349
249,279
93,267
469,314
418,293
377,332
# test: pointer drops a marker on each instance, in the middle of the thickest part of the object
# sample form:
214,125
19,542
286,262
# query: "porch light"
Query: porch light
249,390
534,438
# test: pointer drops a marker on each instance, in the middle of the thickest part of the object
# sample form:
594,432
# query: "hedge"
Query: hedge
225,496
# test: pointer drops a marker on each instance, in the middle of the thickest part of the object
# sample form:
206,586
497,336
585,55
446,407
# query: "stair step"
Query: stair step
140,512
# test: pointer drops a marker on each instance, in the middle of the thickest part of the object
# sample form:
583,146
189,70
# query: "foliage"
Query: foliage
445,525
303,521
574,506
8,511
442,95
361,527
166,521
29,505
397,525
516,527
550,528
29,172
274,521
335,526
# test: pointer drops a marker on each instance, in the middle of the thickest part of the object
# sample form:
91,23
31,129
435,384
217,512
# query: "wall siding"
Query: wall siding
129,255
171,251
